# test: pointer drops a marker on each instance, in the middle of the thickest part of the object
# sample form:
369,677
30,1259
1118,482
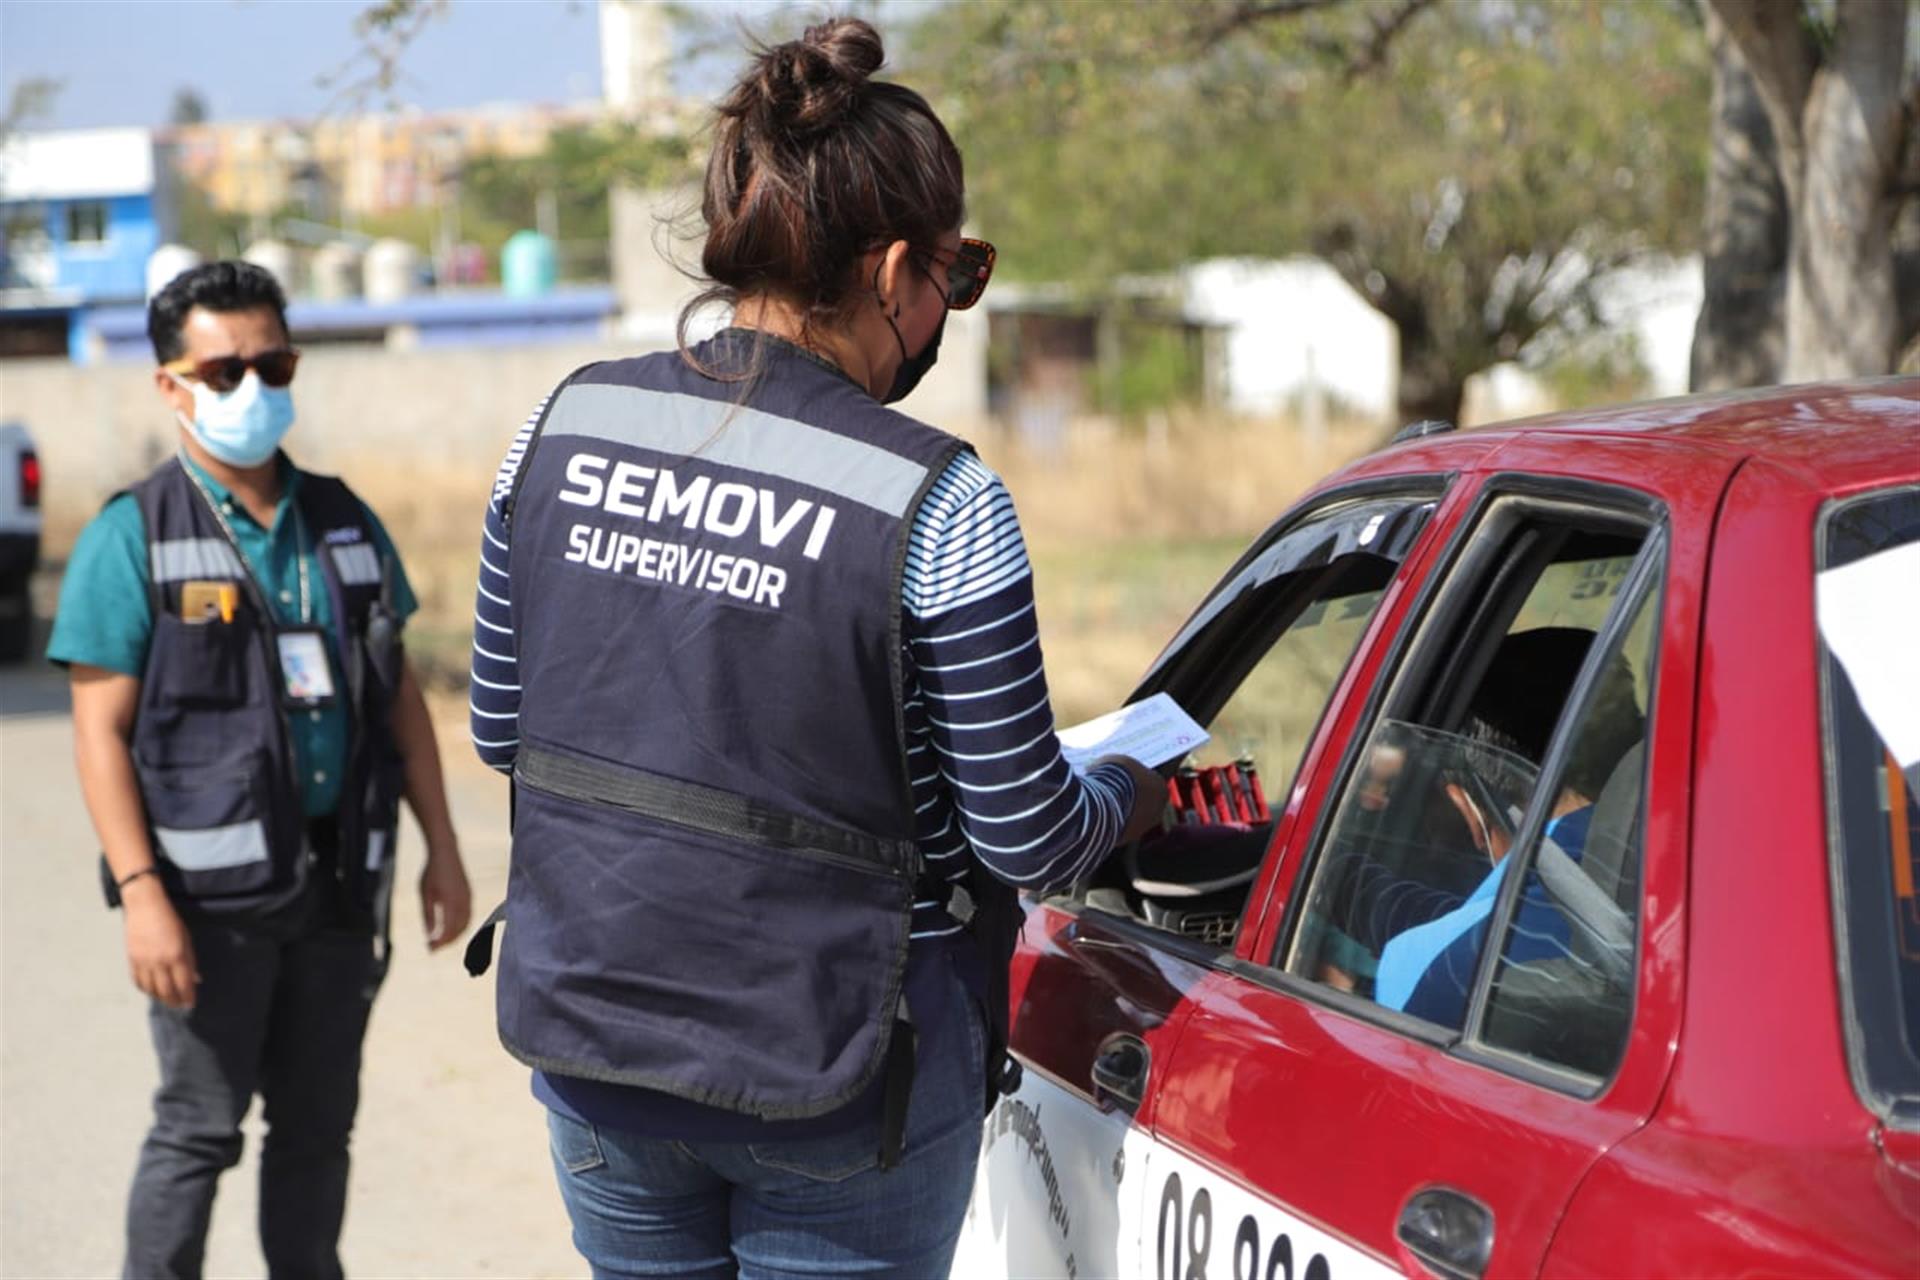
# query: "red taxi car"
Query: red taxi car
1544,899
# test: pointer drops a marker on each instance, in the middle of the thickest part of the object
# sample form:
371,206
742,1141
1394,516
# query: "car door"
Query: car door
1104,974
1463,986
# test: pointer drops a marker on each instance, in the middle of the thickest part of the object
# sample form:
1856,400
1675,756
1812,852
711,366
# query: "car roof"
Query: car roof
1837,436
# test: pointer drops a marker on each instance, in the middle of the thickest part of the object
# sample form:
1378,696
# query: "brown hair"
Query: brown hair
814,164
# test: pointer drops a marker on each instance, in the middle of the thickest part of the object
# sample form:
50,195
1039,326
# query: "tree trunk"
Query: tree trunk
1838,127
1842,318
1740,337
1776,45
1906,275
1429,384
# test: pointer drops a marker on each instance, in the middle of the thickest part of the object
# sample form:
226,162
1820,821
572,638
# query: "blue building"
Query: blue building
81,211
84,210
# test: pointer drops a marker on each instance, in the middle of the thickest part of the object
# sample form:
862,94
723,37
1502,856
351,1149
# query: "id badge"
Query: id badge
304,668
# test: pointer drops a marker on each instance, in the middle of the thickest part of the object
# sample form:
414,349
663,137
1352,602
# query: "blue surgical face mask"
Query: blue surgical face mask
244,427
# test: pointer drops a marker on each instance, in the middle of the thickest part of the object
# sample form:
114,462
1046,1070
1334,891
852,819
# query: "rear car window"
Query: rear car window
1873,793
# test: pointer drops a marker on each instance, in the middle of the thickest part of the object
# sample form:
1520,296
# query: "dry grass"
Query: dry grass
1128,529
1193,477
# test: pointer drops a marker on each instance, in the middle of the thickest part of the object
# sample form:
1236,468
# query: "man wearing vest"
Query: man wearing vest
245,726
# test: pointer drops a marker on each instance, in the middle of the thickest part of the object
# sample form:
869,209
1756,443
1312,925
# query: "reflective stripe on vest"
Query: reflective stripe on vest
187,559
215,847
747,440
358,564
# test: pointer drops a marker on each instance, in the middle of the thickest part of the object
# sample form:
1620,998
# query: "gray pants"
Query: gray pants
282,1015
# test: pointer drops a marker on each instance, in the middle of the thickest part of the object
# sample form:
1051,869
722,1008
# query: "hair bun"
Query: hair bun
850,46
813,83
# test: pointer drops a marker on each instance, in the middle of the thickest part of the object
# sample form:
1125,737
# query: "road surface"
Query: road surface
450,1170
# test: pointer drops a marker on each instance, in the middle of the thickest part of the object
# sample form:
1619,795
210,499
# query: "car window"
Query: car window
1269,718
1875,807
1562,989
1446,795
1257,666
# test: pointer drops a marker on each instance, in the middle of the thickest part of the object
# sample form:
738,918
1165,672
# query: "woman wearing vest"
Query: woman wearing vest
245,726
760,654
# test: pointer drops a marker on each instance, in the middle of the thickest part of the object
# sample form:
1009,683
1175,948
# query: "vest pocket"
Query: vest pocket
759,979
202,664
210,823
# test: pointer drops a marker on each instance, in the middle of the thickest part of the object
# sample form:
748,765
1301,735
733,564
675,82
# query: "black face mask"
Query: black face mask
912,368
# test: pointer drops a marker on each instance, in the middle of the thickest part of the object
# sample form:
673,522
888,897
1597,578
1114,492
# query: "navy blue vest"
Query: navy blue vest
211,748
713,850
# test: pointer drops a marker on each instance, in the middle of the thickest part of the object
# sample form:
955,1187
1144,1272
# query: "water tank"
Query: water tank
335,271
280,261
392,270
168,261
529,265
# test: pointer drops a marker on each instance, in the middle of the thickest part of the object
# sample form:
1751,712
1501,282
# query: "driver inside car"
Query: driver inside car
1428,931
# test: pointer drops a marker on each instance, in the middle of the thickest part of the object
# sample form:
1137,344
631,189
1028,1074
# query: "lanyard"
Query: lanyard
299,556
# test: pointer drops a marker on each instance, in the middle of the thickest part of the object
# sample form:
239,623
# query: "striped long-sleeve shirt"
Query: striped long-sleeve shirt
989,780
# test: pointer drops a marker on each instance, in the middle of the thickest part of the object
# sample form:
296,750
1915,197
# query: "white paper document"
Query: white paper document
1152,731
1870,618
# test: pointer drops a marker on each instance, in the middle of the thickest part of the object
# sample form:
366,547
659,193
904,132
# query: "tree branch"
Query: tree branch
1386,28
31,97
1339,245
386,30
1383,28
1250,13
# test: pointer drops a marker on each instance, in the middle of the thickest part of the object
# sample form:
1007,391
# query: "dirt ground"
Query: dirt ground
450,1172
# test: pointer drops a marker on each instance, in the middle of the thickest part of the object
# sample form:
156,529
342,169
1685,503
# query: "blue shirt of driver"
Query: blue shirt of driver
1428,970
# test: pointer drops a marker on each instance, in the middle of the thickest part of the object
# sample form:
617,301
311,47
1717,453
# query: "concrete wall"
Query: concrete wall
424,417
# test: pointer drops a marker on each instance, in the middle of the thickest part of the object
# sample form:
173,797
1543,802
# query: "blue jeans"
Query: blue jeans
817,1207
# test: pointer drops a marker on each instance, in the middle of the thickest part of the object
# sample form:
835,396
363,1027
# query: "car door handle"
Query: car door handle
1449,1231
1120,1070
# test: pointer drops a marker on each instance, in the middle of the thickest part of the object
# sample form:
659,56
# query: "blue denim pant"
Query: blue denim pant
816,1207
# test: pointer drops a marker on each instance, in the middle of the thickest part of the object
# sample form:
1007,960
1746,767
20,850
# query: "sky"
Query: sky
121,61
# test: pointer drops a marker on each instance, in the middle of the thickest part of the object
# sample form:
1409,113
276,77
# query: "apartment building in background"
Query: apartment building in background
341,168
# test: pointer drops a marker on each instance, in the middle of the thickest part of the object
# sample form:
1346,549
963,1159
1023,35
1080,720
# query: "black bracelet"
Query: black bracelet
148,870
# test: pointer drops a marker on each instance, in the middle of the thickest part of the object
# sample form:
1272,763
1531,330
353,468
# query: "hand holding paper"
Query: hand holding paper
1152,731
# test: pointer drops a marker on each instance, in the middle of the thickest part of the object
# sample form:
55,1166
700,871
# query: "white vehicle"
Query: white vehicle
19,537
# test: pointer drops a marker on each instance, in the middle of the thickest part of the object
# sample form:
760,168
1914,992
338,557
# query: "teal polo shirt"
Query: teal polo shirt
106,612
